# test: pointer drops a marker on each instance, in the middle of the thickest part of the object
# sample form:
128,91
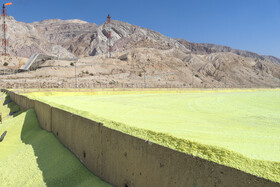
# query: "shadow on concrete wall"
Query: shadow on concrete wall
59,166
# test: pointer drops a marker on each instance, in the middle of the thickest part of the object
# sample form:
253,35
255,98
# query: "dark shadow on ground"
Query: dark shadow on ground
7,100
14,108
59,166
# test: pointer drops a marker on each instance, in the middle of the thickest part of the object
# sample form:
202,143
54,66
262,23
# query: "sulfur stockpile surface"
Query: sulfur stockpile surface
31,156
236,128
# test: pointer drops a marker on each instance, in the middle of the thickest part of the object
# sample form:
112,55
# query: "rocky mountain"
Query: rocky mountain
204,48
25,40
137,51
88,39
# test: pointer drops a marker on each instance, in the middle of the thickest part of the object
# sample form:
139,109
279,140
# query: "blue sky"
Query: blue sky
252,25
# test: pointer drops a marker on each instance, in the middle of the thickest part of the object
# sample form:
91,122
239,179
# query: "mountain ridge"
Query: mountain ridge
125,35
212,48
137,51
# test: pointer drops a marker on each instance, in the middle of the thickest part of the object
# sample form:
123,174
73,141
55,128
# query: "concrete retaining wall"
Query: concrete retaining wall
24,102
12,95
85,142
44,115
124,160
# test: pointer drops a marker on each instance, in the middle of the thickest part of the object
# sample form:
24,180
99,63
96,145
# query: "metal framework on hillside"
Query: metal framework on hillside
109,36
5,41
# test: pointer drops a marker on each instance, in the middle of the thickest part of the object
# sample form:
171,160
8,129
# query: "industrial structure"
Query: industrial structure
5,41
109,36
35,61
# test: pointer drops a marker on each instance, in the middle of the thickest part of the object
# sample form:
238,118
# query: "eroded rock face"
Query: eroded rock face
136,49
93,40
204,48
161,68
76,37
26,39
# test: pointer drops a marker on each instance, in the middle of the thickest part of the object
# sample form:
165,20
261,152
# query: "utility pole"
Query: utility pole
250,82
144,70
75,74
192,80
5,41
264,79
279,81
109,36
145,79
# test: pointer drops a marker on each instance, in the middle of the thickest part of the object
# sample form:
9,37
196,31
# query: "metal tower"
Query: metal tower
5,41
109,36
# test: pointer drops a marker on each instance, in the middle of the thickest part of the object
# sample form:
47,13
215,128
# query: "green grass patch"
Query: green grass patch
13,107
31,156
236,128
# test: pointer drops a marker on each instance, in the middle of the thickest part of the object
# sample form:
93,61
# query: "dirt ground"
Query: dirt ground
139,68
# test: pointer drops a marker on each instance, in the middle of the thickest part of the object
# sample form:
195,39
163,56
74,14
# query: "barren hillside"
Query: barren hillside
141,57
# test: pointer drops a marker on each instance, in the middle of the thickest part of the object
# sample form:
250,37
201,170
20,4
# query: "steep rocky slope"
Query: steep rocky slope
139,54
26,40
88,39
153,68
204,48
